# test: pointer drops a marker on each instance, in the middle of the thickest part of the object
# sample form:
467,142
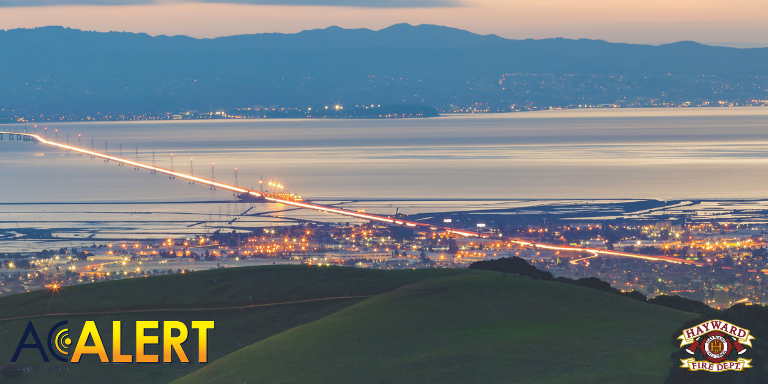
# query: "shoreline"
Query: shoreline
166,118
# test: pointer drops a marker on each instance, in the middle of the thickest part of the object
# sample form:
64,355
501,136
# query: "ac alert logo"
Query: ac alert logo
719,343
174,334
58,342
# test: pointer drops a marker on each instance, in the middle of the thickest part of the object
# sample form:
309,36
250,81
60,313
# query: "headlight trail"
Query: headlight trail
266,196
324,208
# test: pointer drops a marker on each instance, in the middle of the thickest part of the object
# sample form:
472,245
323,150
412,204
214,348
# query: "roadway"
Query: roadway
244,191
344,212
597,252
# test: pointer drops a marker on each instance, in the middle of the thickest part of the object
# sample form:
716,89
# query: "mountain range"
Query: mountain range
56,70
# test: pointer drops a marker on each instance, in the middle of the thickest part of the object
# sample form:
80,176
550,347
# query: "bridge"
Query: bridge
245,193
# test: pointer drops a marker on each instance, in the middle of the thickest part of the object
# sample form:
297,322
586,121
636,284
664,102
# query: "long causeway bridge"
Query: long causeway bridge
248,194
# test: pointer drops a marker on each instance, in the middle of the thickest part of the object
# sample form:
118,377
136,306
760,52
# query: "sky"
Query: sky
741,23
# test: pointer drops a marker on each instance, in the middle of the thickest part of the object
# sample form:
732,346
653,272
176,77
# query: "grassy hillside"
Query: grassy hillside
187,297
475,327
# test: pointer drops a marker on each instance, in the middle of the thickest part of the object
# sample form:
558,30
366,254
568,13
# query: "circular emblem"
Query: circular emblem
716,347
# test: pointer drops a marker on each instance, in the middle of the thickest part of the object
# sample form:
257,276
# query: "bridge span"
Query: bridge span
328,209
274,198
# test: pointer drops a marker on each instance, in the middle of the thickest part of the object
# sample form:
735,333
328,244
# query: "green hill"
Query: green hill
473,327
247,304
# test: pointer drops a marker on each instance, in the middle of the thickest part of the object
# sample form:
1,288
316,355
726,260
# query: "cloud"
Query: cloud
348,3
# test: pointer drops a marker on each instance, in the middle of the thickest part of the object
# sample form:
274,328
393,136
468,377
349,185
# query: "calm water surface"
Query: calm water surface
578,154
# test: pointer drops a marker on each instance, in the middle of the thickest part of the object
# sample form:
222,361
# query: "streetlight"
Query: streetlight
213,176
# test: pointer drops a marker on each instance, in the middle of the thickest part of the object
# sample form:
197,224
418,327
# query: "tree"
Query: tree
400,233
760,253
514,265
452,247
682,304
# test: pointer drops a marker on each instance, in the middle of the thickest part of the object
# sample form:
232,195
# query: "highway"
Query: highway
597,252
266,196
328,209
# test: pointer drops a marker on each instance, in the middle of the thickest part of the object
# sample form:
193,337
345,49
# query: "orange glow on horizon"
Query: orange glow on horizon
639,22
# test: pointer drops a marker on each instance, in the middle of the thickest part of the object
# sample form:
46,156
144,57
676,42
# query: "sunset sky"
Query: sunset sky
648,21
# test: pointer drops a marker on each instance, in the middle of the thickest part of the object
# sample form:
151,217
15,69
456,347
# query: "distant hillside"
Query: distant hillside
263,301
475,327
57,70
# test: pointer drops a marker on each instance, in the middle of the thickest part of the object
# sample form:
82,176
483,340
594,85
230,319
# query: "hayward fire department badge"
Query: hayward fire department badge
719,343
